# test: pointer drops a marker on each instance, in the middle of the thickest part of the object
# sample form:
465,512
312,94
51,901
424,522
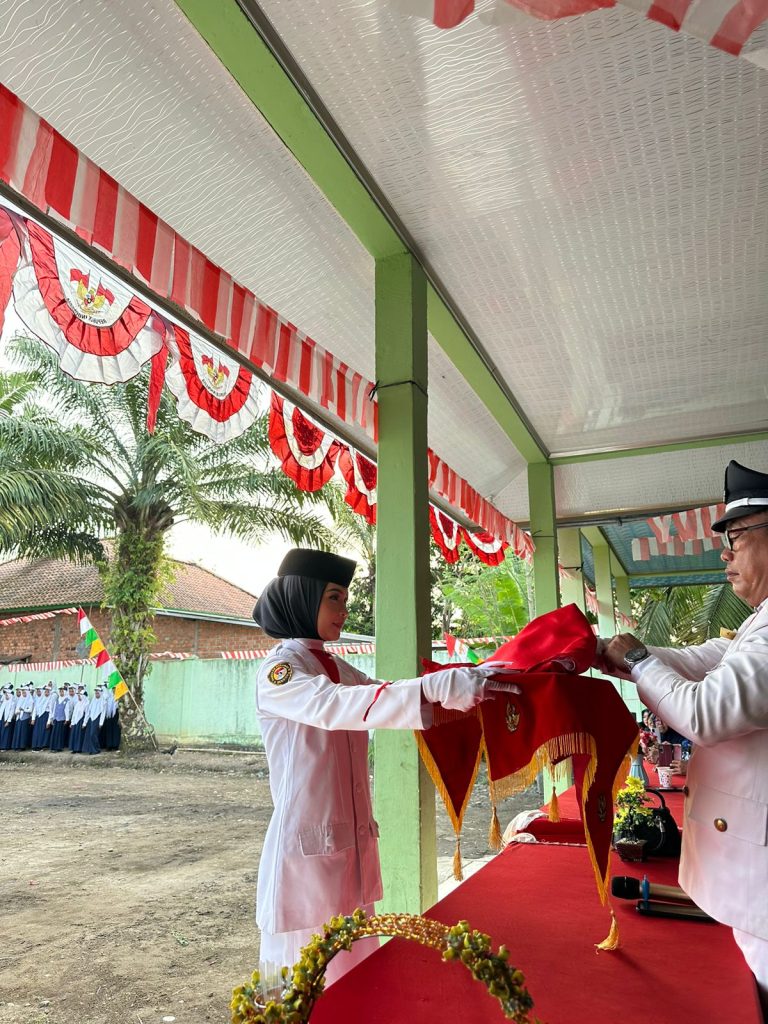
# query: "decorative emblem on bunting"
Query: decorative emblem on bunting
445,533
489,549
307,453
100,330
214,394
10,251
360,475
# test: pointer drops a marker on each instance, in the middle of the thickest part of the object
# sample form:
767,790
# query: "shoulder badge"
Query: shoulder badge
280,673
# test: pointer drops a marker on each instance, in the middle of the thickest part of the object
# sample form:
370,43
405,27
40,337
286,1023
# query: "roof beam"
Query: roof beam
660,449
247,45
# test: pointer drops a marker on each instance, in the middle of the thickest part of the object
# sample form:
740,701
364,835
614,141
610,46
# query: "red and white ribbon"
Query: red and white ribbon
214,394
306,451
590,598
259,653
645,548
360,476
10,253
446,534
37,615
99,329
488,549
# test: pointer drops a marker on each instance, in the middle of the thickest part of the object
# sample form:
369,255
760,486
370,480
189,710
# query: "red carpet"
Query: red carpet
540,901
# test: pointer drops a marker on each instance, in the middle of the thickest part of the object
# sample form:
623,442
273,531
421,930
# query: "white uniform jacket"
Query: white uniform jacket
717,695
320,854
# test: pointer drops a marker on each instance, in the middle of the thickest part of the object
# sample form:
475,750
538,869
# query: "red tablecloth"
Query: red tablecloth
540,901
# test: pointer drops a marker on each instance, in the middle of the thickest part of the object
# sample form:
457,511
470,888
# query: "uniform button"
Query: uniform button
361,830
721,824
685,791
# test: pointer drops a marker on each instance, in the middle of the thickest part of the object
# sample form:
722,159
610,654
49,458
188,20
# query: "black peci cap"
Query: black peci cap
746,492
318,565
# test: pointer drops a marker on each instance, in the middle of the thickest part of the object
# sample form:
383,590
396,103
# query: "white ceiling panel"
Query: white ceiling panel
592,192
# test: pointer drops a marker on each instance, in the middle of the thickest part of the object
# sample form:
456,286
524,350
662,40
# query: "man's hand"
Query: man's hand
609,656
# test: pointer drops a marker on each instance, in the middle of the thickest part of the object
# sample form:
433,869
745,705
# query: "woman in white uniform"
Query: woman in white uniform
320,855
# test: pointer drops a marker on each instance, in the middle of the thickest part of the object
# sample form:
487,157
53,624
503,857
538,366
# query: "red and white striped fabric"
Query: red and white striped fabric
626,621
306,451
724,24
214,395
645,548
37,615
98,328
257,654
695,524
10,254
590,598
487,548
360,476
458,493
58,179
45,666
446,534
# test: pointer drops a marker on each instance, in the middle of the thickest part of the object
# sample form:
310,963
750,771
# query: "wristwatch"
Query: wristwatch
635,655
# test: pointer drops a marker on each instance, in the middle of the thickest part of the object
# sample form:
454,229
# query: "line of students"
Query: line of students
40,718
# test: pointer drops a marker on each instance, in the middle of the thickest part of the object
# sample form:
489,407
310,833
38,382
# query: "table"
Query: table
540,901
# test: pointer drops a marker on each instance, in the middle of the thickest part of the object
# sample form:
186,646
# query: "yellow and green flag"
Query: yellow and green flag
94,648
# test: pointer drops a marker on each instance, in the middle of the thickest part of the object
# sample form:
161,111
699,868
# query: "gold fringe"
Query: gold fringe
611,941
554,809
434,774
458,873
494,832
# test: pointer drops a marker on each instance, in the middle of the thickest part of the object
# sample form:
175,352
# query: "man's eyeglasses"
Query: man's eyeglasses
731,536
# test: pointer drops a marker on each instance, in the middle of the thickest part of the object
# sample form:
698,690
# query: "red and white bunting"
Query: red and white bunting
307,452
724,24
259,653
10,253
458,493
37,615
626,621
214,394
446,534
488,549
45,666
99,329
360,476
645,548
590,598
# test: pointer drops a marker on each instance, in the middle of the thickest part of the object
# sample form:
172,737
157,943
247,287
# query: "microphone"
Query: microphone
624,887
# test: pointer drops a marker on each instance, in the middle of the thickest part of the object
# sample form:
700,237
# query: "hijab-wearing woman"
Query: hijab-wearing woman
93,721
7,710
22,733
320,855
58,720
77,721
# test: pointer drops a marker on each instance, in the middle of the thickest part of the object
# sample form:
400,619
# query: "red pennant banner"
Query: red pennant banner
489,549
446,534
360,476
307,453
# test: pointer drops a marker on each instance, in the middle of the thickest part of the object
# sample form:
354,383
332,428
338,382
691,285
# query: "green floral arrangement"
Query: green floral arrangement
634,820
305,981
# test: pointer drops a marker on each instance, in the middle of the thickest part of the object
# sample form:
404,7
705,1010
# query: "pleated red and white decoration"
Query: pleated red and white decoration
446,534
214,395
694,524
360,475
485,546
724,24
306,451
99,329
10,253
645,548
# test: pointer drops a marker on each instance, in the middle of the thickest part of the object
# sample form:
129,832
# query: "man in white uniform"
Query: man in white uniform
716,694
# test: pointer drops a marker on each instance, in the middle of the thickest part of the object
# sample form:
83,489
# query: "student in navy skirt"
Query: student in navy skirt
22,733
40,718
60,726
7,710
77,721
94,719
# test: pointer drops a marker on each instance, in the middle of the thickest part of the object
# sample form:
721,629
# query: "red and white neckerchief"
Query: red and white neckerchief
446,534
360,475
307,453
489,549
100,330
214,394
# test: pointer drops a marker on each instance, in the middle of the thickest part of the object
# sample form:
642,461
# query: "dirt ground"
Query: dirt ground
127,883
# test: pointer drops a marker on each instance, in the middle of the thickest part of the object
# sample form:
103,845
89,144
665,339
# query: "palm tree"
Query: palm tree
79,465
681,616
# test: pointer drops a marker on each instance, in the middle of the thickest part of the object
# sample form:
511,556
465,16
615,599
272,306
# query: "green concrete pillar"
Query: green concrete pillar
571,586
541,497
606,618
404,795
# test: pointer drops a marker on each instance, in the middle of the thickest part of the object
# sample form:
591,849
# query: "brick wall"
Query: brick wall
56,639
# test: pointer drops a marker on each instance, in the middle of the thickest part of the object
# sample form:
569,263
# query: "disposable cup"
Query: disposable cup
665,776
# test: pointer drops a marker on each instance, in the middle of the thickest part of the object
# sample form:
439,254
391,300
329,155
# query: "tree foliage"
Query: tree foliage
681,616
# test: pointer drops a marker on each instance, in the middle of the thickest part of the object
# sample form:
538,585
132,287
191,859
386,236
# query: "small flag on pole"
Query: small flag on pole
460,649
94,648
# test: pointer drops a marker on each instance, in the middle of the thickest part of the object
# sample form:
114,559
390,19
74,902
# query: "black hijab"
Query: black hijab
288,607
